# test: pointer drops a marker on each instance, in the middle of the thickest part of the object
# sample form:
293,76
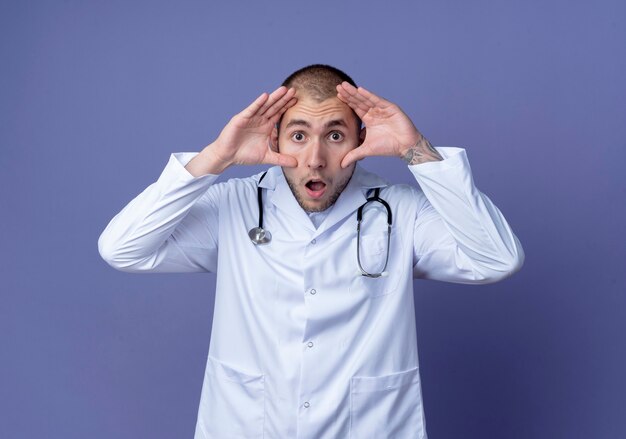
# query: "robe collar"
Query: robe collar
352,197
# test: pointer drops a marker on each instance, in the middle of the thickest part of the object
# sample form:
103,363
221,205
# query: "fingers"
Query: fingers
269,105
354,100
357,109
369,96
273,97
277,101
360,99
275,158
276,116
358,95
252,109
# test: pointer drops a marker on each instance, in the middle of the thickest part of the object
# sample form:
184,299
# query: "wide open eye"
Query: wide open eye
336,136
297,136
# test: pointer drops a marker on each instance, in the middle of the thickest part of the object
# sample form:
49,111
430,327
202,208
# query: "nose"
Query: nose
316,155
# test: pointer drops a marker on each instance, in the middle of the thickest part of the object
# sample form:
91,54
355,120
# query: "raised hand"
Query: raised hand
388,130
245,140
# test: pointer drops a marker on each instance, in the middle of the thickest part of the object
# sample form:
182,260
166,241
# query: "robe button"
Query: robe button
310,344
306,404
313,241
313,291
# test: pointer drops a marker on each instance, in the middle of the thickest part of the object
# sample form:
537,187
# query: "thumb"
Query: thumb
275,158
354,155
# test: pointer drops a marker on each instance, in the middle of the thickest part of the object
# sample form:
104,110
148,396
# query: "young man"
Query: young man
314,327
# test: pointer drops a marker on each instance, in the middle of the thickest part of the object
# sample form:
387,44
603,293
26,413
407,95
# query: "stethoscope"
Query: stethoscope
259,235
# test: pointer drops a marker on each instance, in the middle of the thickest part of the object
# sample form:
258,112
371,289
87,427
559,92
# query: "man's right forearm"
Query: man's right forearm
206,162
136,239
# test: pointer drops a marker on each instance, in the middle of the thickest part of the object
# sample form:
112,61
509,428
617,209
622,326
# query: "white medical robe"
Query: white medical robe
303,345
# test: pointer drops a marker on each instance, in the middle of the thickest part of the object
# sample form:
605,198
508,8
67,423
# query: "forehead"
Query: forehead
316,113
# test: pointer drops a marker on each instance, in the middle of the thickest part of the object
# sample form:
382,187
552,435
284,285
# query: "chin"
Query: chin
311,209
315,206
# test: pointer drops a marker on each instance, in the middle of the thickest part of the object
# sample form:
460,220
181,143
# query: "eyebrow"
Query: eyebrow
301,122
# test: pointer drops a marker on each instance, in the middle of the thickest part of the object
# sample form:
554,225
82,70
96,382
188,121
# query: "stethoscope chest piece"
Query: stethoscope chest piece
258,235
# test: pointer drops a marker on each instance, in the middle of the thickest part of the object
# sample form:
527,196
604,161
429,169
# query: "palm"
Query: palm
250,135
389,130
245,139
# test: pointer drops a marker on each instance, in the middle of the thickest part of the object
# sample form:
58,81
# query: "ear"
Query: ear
362,135
274,138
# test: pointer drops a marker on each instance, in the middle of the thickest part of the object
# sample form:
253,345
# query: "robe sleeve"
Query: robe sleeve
459,234
172,226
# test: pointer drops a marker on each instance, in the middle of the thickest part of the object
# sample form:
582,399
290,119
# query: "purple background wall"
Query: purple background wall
96,95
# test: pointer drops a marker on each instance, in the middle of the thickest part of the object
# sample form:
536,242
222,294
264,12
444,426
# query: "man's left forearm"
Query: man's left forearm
481,231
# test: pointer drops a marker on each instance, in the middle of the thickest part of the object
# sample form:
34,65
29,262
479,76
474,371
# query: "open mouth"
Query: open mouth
315,188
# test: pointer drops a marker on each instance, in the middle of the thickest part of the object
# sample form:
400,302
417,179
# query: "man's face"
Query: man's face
318,135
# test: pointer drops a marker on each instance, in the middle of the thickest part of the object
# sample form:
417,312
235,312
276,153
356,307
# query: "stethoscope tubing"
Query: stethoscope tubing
359,218
258,235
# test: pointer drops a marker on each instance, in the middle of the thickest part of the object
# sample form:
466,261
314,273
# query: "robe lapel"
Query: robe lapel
284,200
353,196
